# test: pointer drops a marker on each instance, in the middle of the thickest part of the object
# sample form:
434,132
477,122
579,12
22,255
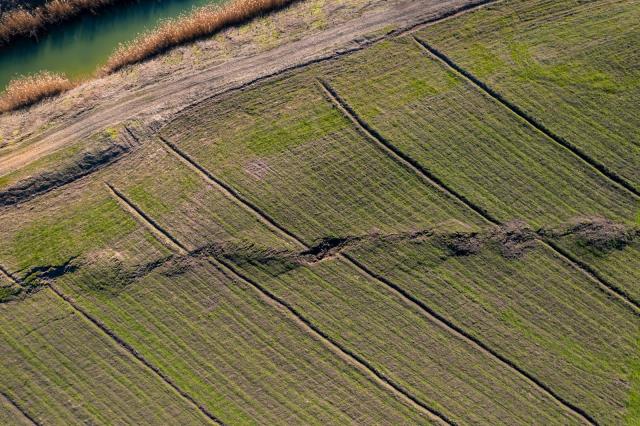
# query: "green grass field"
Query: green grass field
83,376
541,54
372,239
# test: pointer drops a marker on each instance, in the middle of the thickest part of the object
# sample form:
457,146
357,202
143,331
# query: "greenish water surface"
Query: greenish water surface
78,47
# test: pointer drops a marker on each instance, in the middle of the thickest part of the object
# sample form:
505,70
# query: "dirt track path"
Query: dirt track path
160,100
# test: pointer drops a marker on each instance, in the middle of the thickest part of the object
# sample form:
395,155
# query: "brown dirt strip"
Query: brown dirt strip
307,325
403,294
413,165
237,74
532,121
20,409
48,181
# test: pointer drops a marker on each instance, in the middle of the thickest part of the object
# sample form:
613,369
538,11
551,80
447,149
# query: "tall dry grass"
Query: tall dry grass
208,20
199,23
21,22
28,90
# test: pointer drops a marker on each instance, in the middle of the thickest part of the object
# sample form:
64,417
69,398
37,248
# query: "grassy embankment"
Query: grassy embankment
205,21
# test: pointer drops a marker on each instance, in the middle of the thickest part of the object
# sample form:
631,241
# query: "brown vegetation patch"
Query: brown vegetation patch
199,23
257,169
25,91
515,239
460,244
598,233
21,22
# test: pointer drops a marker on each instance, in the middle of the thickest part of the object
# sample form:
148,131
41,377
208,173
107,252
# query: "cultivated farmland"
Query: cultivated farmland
421,230
540,54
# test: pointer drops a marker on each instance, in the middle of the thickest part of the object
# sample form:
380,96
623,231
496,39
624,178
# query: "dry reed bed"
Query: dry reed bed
199,23
28,23
25,91
28,90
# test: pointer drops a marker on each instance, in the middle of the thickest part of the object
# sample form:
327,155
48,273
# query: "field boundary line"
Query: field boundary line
21,410
133,352
308,326
141,217
427,312
599,167
433,180
396,154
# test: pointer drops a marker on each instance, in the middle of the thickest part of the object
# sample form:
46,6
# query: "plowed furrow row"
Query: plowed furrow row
15,405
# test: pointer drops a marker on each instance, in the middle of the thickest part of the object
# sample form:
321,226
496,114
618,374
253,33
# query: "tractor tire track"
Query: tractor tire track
429,313
429,178
606,286
532,121
345,354
15,405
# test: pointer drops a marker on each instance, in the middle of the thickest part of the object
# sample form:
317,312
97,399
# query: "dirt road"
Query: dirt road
231,60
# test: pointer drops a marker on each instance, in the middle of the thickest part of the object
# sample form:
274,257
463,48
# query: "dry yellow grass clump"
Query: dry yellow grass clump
28,90
21,22
199,23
